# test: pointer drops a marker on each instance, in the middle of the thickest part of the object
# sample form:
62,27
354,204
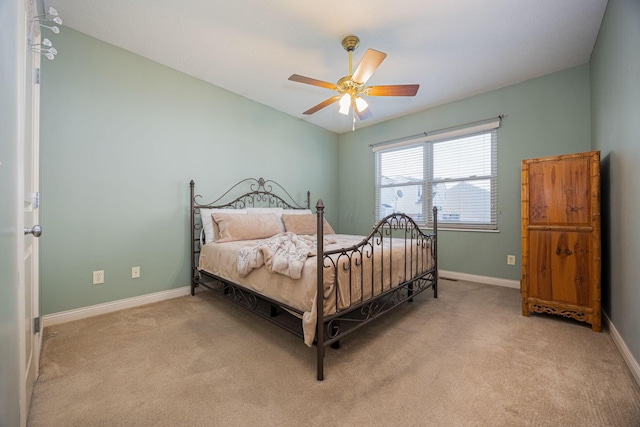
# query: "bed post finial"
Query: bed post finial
435,218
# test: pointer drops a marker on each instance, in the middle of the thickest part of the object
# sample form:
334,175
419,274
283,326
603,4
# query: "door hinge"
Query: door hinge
36,75
36,200
36,325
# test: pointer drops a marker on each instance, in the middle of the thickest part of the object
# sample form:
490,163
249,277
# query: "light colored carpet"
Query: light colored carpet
467,358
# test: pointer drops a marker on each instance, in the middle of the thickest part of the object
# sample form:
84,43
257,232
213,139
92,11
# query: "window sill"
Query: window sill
476,230
480,230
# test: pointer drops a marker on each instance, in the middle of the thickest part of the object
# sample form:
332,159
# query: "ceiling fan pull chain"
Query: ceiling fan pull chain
353,115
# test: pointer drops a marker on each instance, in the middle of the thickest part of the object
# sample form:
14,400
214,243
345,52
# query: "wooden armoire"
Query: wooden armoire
561,237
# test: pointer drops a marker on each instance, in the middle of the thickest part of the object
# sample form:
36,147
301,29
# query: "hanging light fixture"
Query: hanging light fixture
352,88
351,101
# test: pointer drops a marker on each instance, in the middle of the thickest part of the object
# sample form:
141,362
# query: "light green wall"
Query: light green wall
11,12
543,117
615,113
121,137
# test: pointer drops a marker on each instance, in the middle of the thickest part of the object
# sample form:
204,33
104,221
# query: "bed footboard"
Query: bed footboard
355,285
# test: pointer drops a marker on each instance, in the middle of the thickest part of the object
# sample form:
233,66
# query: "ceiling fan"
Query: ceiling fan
351,88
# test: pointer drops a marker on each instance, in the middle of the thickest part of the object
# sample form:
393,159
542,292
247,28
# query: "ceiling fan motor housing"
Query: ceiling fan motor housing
346,85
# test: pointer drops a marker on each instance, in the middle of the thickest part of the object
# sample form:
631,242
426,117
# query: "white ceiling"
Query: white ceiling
452,48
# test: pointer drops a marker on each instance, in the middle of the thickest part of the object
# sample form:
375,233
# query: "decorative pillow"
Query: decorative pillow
276,211
207,221
305,224
246,227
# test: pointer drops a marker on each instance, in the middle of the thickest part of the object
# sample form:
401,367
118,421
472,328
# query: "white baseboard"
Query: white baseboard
108,307
480,279
631,362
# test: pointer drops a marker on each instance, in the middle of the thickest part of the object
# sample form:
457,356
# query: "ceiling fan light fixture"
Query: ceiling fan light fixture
349,88
361,104
345,103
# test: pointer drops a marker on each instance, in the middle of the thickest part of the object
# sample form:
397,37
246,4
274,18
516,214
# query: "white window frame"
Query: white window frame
427,141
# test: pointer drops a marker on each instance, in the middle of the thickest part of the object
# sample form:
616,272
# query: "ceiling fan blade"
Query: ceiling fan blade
323,104
364,114
370,62
308,80
393,90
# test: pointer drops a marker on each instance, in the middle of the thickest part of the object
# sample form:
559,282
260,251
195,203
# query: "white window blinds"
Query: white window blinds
455,171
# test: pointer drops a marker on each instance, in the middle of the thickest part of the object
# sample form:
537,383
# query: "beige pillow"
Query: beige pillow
209,225
305,224
246,227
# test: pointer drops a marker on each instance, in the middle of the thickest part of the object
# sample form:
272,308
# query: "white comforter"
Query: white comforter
284,253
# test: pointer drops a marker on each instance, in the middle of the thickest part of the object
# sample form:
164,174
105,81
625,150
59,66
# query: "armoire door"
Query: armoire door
560,192
560,267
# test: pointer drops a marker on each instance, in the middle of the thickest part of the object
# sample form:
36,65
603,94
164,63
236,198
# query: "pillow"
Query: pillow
246,227
298,212
276,211
207,221
305,224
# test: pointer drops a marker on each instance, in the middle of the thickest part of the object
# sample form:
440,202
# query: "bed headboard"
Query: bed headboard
248,193
251,192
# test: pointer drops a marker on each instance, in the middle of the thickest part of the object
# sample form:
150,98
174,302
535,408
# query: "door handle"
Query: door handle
36,231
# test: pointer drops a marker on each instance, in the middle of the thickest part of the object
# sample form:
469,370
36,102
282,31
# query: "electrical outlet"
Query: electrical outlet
135,272
511,259
98,277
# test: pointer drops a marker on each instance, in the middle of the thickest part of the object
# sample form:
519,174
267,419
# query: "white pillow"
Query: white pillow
277,211
207,221
298,212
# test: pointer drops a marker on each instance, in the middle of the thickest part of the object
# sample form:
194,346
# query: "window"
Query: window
454,171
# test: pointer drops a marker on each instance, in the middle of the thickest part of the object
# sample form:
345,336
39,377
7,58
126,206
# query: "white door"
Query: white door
30,340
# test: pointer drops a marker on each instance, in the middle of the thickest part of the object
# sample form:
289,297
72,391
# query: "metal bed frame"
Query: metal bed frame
329,328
